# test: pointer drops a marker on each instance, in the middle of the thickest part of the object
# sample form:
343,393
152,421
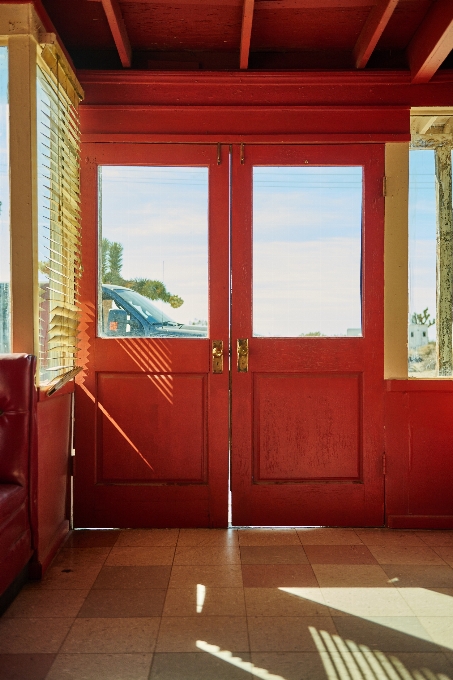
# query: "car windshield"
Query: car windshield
144,306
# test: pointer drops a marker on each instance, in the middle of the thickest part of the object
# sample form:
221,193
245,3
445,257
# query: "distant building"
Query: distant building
418,335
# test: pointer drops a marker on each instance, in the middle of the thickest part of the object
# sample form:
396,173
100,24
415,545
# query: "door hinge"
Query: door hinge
71,466
384,186
219,153
384,464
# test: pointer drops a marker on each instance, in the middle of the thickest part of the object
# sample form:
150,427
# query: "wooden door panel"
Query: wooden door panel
307,428
152,421
160,436
307,417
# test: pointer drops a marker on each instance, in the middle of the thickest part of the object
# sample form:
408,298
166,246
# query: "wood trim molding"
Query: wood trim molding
23,191
396,260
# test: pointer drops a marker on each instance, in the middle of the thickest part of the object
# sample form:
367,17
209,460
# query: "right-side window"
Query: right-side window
430,264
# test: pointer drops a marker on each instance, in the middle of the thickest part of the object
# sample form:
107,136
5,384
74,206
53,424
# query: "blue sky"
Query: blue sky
422,234
4,166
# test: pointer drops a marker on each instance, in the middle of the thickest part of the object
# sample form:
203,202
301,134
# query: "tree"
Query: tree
423,319
111,266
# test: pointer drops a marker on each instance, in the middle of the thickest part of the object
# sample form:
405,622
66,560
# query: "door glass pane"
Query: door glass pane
5,274
307,224
153,259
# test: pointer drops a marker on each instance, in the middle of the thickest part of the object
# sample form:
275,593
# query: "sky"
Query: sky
422,234
306,248
4,165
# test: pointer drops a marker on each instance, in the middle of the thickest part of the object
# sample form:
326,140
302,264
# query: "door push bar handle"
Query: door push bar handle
217,356
243,355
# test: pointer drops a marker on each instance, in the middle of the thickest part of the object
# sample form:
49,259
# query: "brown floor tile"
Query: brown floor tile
429,602
207,537
351,576
146,538
123,603
75,557
37,603
429,665
199,666
286,633
418,575
339,554
101,667
405,554
216,602
25,666
366,602
91,538
326,536
446,553
33,636
139,557
386,634
129,578
221,576
388,537
207,555
112,636
68,578
276,602
181,633
440,628
297,665
268,537
436,538
278,575
273,554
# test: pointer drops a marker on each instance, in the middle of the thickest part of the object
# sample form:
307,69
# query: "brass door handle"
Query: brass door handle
217,356
243,355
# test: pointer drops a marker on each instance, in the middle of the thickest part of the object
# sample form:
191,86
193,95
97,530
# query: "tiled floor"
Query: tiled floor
282,604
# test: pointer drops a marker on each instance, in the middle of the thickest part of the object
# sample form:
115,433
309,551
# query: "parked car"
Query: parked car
126,313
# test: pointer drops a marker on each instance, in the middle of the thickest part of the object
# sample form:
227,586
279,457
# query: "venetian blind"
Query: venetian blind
59,217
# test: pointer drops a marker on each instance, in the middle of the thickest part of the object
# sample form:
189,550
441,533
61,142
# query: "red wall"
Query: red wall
50,493
419,453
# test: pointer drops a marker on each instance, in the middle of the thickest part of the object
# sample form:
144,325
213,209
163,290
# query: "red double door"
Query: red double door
293,425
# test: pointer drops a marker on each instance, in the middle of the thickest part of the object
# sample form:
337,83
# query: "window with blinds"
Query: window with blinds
58,218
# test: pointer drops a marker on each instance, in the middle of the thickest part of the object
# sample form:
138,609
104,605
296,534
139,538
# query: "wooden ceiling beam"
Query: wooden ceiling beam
432,42
372,31
246,33
265,4
117,26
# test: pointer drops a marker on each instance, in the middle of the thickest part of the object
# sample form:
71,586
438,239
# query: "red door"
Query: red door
151,417
307,282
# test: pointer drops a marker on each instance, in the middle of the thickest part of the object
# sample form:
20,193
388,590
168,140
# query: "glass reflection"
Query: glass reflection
153,259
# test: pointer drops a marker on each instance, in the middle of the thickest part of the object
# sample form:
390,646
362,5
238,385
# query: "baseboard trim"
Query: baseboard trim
39,563
420,521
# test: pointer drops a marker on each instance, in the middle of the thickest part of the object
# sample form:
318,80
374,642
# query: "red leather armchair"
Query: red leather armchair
17,442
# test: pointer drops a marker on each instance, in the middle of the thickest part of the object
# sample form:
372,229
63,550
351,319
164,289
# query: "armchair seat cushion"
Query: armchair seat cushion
12,496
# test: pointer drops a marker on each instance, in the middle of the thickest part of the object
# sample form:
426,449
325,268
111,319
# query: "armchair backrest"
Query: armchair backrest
17,410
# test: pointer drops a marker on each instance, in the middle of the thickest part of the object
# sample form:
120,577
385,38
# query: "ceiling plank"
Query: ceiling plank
246,33
119,32
262,4
432,42
372,31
